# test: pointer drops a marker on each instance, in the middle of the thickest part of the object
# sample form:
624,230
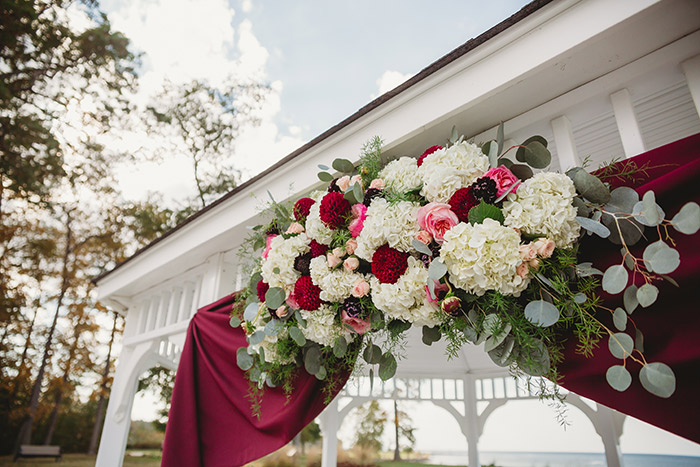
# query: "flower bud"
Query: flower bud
343,183
295,228
333,260
424,237
361,288
377,184
282,311
350,246
451,305
351,263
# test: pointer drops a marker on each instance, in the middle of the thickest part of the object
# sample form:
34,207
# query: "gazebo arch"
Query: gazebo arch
594,78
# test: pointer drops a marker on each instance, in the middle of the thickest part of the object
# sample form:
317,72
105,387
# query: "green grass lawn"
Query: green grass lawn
150,458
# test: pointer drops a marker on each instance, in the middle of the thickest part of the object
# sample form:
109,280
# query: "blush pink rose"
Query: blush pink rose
437,218
356,179
360,289
295,228
358,325
377,184
350,246
523,269
343,183
268,246
504,179
544,247
424,237
351,263
333,260
359,214
527,252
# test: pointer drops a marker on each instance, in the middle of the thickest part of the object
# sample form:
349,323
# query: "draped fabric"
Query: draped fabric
211,423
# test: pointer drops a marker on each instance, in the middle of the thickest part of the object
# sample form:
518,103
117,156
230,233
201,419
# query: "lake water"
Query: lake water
556,459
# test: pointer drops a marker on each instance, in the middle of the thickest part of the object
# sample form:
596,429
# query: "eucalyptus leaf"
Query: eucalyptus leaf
620,345
649,211
661,258
632,231
234,322
615,279
270,382
244,360
453,135
620,319
541,313
500,136
325,177
669,279
587,269
437,270
421,247
496,339
256,338
350,196
687,221
323,167
274,297
630,299
312,360
503,354
507,163
357,191
431,289
261,355
582,209
647,294
372,354
255,375
534,152
639,212
321,373
491,325
343,165
591,188
618,377
251,311
658,379
593,226
340,346
639,340
470,334
300,319
397,326
622,200
431,335
534,360
494,149
522,171
297,336
544,280
514,186
272,328
482,211
580,298
387,366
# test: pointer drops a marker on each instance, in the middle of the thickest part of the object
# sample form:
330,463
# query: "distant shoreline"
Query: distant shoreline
560,459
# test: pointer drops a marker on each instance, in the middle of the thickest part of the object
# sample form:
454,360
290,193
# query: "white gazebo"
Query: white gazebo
598,78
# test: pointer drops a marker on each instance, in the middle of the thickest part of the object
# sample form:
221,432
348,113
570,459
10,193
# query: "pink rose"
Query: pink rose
523,269
292,301
358,325
377,184
504,179
356,179
534,263
527,252
439,287
437,218
343,183
333,260
424,237
350,246
359,214
544,247
268,245
361,289
339,252
295,228
351,263
282,311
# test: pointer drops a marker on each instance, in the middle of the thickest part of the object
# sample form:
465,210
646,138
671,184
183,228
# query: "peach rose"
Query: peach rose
523,269
534,263
351,263
361,289
356,179
437,218
424,237
343,183
295,228
282,311
333,260
527,252
504,179
358,325
544,247
350,246
377,184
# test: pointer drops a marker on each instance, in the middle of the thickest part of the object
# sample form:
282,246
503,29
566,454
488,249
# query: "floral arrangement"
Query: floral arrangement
465,242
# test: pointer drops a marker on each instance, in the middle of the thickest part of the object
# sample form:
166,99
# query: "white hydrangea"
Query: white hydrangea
447,170
401,175
543,205
394,224
483,257
321,326
406,299
278,268
315,228
336,284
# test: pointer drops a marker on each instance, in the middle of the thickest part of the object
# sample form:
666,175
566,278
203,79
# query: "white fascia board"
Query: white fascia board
491,67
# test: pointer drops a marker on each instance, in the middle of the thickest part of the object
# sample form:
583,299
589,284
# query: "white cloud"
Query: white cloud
389,80
246,6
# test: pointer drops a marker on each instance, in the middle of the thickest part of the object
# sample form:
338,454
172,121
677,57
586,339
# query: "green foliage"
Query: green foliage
370,424
371,160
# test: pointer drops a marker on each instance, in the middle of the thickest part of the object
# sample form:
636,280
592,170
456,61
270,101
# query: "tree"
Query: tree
309,435
160,380
403,427
371,420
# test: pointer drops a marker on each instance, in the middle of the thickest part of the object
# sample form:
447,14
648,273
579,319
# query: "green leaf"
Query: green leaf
535,154
371,380
580,298
496,339
646,295
321,373
343,165
500,137
387,366
541,313
300,319
620,345
437,269
325,177
658,379
591,188
270,382
357,191
421,247
615,279
687,221
670,279
323,167
272,328
618,377
640,213
661,258
630,299
587,269
482,211
622,200
431,335
251,311
639,340
520,154
431,289
312,360
243,359
453,135
372,354
649,211
632,231
620,319
350,196
397,326
503,354
298,336
494,148
235,321
522,171
256,338
274,297
340,346
534,359
593,226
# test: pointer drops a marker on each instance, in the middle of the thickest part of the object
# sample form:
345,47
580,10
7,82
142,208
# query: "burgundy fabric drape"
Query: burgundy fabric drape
210,422
671,326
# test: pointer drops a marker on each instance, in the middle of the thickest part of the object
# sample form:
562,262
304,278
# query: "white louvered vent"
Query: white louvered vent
666,116
598,140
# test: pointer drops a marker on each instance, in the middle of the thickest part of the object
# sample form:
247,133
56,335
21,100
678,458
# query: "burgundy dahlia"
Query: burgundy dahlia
333,186
302,208
389,264
352,307
262,289
334,210
485,188
318,249
370,194
461,202
427,152
302,263
307,294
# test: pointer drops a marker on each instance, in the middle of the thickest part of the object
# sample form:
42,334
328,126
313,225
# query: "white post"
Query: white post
564,140
691,69
610,430
471,421
627,125
329,427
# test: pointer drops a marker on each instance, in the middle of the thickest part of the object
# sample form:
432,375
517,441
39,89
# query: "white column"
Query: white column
471,417
627,125
564,140
691,69
609,428
329,428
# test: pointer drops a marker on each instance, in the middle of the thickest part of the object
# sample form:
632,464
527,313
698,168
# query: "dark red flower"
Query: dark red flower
262,289
318,249
461,202
302,263
485,188
334,210
428,151
302,208
388,264
307,295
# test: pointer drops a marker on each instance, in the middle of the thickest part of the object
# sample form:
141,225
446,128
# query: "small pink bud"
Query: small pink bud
534,263
377,184
424,237
295,228
451,305
282,311
343,183
333,260
523,269
350,246
351,263
544,247
339,252
361,289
